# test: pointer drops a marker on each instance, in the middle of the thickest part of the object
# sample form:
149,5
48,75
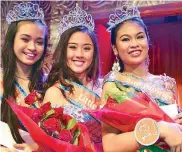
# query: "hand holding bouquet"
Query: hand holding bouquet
50,128
126,106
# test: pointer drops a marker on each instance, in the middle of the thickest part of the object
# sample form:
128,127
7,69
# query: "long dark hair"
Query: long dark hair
115,30
9,68
60,71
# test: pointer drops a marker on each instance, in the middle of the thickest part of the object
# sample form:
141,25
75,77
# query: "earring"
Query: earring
116,66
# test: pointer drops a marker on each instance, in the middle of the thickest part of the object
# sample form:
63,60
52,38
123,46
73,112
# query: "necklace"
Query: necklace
23,78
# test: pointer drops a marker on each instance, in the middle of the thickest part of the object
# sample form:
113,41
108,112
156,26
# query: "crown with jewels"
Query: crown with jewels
123,13
25,11
76,17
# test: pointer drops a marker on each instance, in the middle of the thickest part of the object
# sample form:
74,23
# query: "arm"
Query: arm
113,140
124,142
24,147
27,147
5,149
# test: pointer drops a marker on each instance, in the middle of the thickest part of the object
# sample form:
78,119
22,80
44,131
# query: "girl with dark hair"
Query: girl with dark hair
73,81
130,43
22,57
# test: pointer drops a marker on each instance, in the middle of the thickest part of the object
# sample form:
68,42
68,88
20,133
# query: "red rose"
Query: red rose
66,118
31,98
65,135
58,112
37,115
51,125
46,107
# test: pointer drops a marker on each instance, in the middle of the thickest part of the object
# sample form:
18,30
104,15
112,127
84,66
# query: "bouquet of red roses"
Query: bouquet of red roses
50,128
126,106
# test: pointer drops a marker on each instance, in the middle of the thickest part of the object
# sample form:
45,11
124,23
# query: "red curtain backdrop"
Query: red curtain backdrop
105,50
166,51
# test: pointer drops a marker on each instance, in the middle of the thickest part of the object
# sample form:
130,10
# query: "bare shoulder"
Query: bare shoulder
54,95
53,90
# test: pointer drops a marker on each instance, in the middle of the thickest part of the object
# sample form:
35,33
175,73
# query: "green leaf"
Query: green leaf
75,142
49,113
119,93
121,98
62,125
153,148
71,123
113,92
125,89
121,87
106,96
77,133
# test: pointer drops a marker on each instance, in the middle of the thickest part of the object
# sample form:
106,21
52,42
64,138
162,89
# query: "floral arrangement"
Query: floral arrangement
125,107
50,128
53,121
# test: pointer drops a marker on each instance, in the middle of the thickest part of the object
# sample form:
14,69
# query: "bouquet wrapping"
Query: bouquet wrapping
126,106
52,130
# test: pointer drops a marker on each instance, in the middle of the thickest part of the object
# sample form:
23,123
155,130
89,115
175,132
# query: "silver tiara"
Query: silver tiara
25,11
76,17
123,13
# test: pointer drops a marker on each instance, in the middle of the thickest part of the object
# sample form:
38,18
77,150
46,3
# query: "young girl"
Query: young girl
73,81
130,43
22,55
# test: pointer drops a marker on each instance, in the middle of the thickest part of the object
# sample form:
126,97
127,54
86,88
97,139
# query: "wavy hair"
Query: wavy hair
60,71
8,60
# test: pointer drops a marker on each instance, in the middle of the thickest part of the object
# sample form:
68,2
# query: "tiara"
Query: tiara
76,17
127,11
25,11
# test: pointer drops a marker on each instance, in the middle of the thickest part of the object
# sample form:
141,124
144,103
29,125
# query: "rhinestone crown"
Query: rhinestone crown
76,17
25,11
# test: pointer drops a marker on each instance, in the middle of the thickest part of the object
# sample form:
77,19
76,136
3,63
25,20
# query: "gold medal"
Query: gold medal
146,131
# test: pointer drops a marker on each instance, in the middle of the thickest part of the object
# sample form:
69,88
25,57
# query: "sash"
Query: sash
82,96
20,89
154,90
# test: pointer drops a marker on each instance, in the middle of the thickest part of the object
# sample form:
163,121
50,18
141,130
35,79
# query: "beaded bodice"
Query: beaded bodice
93,125
156,87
